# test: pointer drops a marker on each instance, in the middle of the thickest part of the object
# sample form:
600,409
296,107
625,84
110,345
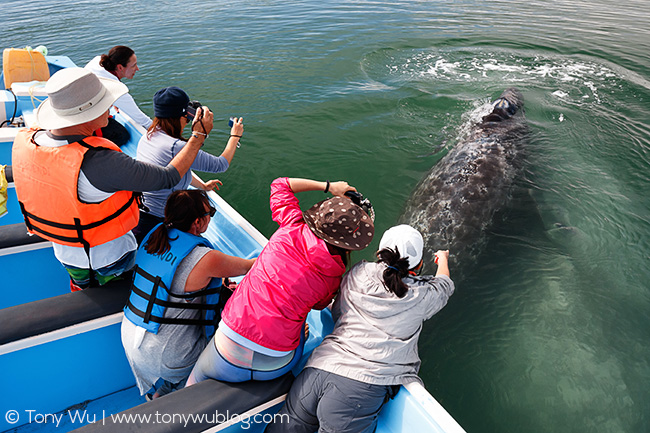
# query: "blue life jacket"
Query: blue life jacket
153,274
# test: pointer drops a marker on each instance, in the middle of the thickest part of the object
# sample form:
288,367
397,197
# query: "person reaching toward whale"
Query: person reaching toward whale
372,350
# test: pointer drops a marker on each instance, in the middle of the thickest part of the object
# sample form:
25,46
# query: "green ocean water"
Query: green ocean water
550,331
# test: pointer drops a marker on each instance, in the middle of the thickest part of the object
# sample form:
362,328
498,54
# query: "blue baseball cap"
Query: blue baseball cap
170,102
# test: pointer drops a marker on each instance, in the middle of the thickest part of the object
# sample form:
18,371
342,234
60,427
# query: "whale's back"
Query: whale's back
455,204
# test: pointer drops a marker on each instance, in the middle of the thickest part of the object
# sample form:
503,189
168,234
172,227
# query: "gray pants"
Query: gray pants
328,402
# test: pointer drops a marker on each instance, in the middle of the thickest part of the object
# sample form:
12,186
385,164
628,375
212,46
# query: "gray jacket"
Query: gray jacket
375,338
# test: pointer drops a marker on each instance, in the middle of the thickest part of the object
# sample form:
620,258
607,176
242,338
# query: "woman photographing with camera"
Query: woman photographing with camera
164,139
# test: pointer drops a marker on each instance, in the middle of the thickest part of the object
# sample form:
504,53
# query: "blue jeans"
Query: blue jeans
212,365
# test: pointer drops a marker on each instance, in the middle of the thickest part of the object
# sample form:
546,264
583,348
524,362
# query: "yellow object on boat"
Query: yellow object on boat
21,65
3,191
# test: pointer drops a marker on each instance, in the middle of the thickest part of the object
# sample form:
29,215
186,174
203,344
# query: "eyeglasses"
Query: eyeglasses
211,212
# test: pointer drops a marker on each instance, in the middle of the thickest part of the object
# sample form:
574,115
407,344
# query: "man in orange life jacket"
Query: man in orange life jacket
79,191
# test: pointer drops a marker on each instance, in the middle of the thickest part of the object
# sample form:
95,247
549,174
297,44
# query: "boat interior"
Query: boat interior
61,351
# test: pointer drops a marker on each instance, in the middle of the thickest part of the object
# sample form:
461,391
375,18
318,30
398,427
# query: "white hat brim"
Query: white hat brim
47,118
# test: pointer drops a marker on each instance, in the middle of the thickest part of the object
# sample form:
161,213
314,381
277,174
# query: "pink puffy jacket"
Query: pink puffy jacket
294,273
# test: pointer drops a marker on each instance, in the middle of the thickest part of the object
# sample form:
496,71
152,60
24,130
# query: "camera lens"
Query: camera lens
192,106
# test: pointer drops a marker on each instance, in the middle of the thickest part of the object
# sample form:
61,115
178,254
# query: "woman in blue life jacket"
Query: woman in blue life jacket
175,296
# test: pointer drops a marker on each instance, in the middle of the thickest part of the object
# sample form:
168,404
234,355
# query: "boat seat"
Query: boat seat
198,405
20,65
46,315
14,235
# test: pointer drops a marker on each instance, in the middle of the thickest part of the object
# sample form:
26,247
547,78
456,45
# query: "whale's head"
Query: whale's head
507,105
513,96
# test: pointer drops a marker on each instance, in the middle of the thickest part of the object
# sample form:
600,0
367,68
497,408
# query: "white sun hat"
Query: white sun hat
407,240
76,96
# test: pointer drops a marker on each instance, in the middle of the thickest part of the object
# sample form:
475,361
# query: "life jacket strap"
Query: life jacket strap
152,300
72,227
147,276
169,320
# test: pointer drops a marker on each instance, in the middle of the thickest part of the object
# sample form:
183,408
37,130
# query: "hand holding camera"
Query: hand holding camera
191,109
358,199
201,117
236,126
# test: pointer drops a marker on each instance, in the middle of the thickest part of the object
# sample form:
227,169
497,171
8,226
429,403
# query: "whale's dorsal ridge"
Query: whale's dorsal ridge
455,204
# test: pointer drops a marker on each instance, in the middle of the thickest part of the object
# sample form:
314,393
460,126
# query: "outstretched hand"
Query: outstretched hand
442,260
212,184
442,254
237,128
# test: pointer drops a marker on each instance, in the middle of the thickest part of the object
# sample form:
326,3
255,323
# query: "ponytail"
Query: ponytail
397,269
158,242
183,207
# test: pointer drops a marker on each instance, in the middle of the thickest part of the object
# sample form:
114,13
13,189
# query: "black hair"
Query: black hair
398,268
183,207
118,55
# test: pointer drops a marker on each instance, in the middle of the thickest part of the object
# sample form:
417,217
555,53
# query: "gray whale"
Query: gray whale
455,204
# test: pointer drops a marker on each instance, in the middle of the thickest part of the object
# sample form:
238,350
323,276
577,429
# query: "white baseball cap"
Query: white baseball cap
407,240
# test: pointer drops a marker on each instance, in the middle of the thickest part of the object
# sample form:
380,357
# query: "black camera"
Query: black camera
358,199
190,111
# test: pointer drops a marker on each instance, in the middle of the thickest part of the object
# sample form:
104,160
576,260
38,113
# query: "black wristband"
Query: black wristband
327,187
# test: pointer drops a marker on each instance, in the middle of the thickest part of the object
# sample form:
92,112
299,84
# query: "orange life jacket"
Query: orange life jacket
46,185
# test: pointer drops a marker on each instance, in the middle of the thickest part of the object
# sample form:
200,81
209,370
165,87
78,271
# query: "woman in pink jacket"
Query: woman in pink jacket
261,334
